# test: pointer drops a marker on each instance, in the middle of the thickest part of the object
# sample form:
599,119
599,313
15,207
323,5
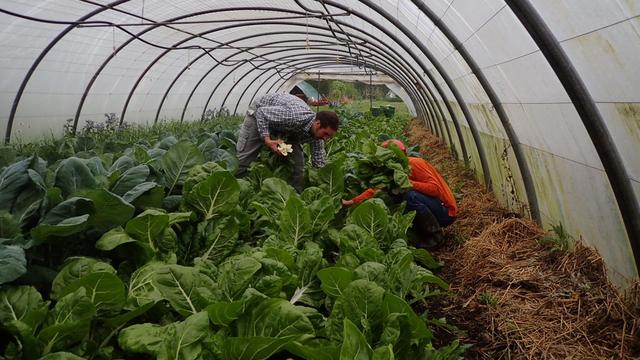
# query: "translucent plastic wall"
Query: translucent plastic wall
540,97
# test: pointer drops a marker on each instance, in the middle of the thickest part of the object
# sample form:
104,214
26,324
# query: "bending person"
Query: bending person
274,118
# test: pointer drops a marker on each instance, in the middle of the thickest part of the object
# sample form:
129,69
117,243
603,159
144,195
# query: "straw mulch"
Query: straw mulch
515,298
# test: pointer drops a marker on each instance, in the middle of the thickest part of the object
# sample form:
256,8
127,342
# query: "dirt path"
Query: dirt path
513,297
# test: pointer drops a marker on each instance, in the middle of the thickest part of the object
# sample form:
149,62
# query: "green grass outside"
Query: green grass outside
363,106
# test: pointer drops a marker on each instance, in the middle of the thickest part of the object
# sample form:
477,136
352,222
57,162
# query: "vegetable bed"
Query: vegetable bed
151,248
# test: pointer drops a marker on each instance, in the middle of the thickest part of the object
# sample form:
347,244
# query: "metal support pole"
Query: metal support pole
370,91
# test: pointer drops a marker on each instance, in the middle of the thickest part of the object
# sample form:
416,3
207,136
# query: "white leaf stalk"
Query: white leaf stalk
285,149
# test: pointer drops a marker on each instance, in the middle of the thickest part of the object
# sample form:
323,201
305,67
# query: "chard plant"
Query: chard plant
156,250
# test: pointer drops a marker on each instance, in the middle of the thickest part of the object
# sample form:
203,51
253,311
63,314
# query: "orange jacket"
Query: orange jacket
425,179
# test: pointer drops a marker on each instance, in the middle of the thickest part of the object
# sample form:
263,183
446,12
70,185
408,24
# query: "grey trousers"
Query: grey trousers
248,148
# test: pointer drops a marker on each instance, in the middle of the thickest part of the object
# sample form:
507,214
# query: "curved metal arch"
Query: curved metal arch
271,9
589,114
385,69
193,61
313,64
414,96
263,54
525,172
396,76
220,81
178,43
412,91
438,68
153,27
41,56
442,94
204,108
292,57
152,63
426,88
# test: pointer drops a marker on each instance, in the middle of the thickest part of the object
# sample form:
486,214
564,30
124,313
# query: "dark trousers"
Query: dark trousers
431,214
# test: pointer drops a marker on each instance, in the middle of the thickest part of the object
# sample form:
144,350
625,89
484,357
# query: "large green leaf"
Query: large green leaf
142,288
71,207
220,240
273,195
23,304
166,143
140,155
12,179
114,238
220,156
274,318
224,313
393,304
295,224
353,238
111,209
178,284
254,348
331,177
371,216
61,355
121,165
105,290
72,175
236,274
426,259
361,302
383,353
130,179
96,166
185,342
399,272
142,338
335,280
65,228
181,340
321,212
399,224
397,334
218,194
68,322
145,195
310,350
355,345
74,269
372,271
149,228
308,262
423,276
9,225
178,161
12,263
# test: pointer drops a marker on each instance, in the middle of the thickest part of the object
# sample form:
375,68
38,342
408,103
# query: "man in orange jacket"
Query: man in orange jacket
431,198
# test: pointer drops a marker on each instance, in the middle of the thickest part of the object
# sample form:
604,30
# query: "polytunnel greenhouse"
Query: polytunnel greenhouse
320,179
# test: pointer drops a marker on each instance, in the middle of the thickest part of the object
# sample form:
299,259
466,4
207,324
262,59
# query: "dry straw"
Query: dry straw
516,297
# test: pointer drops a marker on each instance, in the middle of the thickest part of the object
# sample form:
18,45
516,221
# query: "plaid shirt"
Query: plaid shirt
288,116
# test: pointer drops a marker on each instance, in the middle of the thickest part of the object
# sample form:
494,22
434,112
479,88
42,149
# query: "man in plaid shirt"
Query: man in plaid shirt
284,118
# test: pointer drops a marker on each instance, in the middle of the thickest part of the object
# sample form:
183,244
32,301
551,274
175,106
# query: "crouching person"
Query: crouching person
430,197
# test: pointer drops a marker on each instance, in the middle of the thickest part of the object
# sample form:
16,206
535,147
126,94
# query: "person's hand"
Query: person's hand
347,202
273,145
